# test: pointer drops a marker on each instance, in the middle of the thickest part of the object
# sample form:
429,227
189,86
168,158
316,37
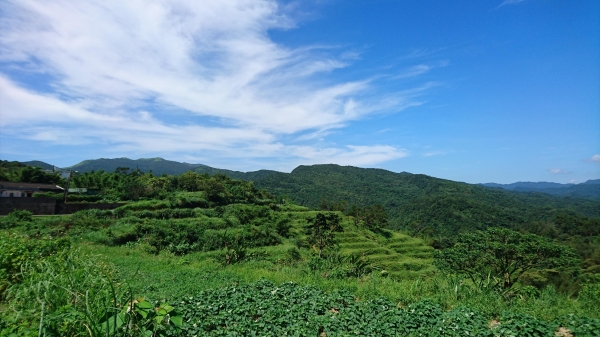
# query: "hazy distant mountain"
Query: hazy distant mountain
589,189
157,166
527,185
40,164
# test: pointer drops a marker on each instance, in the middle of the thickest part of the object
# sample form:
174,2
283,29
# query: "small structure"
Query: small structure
26,190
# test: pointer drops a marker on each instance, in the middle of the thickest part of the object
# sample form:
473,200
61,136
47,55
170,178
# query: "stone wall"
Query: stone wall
48,206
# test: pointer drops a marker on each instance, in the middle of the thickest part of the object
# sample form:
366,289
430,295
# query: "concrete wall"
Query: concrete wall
48,206
37,206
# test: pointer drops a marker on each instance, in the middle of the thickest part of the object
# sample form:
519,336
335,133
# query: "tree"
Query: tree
374,217
190,181
321,231
502,256
30,174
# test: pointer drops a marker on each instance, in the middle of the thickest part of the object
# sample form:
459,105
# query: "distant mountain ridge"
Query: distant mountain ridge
589,189
527,185
157,166
40,164
417,202
266,178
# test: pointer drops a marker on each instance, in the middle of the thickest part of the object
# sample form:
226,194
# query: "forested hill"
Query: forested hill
159,166
421,203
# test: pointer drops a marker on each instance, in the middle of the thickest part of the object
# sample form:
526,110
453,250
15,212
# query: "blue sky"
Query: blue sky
475,91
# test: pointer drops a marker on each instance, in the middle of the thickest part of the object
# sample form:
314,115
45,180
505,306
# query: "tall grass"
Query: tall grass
66,294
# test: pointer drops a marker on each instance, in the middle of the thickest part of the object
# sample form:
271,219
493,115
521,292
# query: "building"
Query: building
26,190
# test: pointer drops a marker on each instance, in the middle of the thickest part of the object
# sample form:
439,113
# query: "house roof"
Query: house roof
7,185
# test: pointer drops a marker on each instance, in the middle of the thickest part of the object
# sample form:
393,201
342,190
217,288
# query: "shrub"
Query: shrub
16,218
17,250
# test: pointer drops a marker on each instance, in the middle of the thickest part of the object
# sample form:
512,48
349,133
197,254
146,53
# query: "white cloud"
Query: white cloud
123,73
558,171
596,158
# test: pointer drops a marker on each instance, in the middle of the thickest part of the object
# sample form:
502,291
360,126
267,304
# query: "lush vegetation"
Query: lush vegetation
194,254
17,172
438,210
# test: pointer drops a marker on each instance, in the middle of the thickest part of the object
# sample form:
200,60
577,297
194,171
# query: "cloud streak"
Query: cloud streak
509,2
178,76
559,171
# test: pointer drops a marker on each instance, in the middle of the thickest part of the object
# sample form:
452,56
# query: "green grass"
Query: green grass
404,273
165,277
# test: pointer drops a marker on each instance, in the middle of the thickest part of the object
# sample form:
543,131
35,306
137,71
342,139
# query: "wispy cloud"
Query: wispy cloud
509,2
179,76
433,153
419,69
595,158
559,171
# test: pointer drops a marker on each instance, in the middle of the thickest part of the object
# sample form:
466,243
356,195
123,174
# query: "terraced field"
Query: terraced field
401,255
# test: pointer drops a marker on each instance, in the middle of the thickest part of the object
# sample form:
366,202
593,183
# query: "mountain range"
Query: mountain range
414,201
589,189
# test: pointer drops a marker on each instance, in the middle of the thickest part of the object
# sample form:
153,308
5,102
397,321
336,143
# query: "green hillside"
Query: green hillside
40,164
156,165
418,202
194,254
159,166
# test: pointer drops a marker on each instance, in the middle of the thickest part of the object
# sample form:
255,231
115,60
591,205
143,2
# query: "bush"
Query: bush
16,218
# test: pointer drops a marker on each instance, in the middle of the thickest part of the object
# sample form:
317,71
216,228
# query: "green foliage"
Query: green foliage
17,172
16,218
141,317
500,256
67,294
321,230
580,326
339,266
374,217
17,250
264,309
202,234
513,324
574,224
